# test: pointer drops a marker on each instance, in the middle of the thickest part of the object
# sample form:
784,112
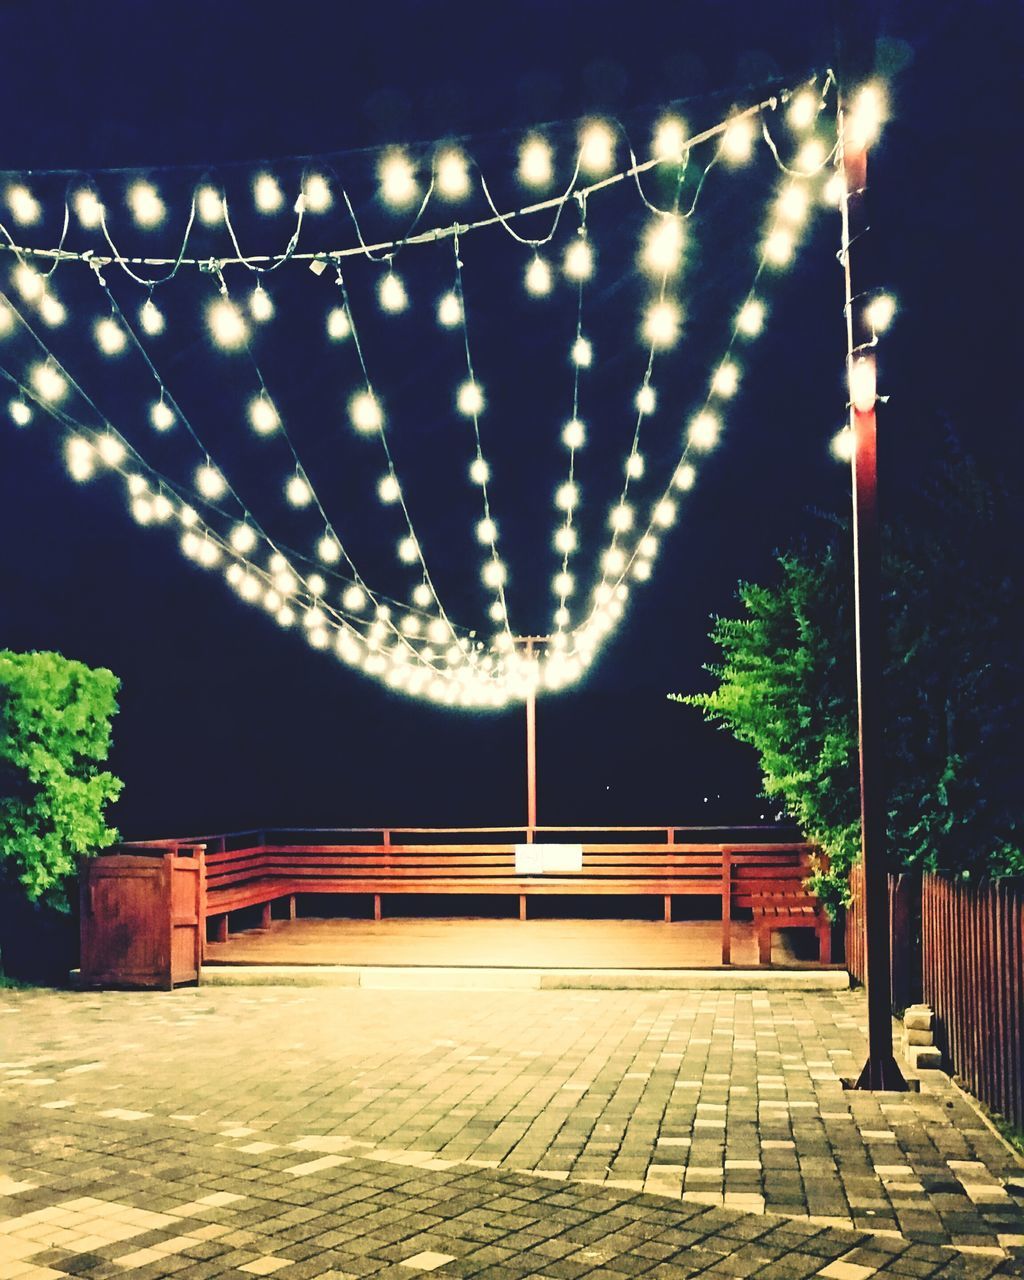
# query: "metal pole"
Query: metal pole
531,753
880,1071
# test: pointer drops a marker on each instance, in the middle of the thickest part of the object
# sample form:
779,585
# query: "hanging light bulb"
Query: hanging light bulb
151,318
396,174
147,208
452,174
578,263
422,596
566,540
161,415
738,141
574,434
567,495
298,492
647,546
110,337
669,139
25,208
317,193
563,584
641,570
48,383
685,477
703,431
88,208
410,625
408,550
266,193
479,471
793,203
80,458
613,561
661,251
486,531
391,293
635,466
779,247
470,399
803,109
354,598
263,417
261,305
316,584
210,482
242,538
209,206
597,148
142,510
51,309
621,518
365,412
582,353
226,324
536,162
538,277
338,326
21,413
494,574
646,400
750,320
29,283
726,379
449,311
662,321
328,549
110,449
880,311
389,490
664,513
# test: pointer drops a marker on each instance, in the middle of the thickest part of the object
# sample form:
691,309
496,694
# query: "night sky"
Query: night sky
228,722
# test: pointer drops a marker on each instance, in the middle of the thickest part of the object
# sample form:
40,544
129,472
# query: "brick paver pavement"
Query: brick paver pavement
343,1132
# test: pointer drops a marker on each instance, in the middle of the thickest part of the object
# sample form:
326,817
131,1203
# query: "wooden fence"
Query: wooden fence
959,946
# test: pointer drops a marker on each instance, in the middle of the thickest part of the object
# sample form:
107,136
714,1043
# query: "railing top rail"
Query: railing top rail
483,830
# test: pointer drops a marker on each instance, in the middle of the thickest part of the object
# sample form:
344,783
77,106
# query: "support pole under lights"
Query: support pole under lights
880,1071
529,643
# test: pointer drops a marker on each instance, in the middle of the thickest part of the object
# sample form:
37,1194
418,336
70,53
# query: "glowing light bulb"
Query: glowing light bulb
316,584
536,162
28,282
647,546
566,540
51,309
738,141
261,305
497,612
603,592
298,492
354,599
582,353
641,570
21,413
142,510
685,477
779,247
621,518
88,207
661,251
862,385
263,417
437,630
562,616
661,324
111,450
669,141
811,156
110,337
646,399
396,174
726,379
449,311
470,399
880,311
80,458
242,538
479,471
703,431
574,434
388,489
422,596
266,193
151,318
567,495
318,638
843,445
317,193
328,549
226,324
867,114
793,203
161,415
410,625
597,149
137,485
338,326
285,582
313,617
408,550
365,412
209,554
6,320
578,262
803,110
25,208
613,561
832,191
635,466
348,647
209,206
539,279
664,513
147,208
486,531
50,385
285,616
188,516
494,574
452,174
391,294
750,320
210,482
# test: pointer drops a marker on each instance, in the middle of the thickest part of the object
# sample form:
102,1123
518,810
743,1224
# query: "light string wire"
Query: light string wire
250,263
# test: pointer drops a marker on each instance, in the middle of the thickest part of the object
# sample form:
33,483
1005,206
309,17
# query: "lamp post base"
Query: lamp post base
881,1073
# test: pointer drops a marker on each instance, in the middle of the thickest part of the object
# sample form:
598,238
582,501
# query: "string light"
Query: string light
779,247
261,305
664,513
210,482
298,492
486,531
567,495
597,149
646,399
50,385
227,324
566,539
536,162
209,206
621,518
151,318
422,596
538,277
147,208
661,325
574,434
88,208
449,311
52,310
669,141
582,353
704,430
242,538
738,141
634,466
866,116
880,312
685,477
843,445
328,549
726,379
365,412
263,416
161,415
811,156
452,173
317,193
750,320
354,599
338,326
862,385
80,458
25,208
494,574
389,490
21,413
391,293
408,550
266,193
110,337
803,109
397,176
29,283
578,263
832,192
479,471
661,252
470,399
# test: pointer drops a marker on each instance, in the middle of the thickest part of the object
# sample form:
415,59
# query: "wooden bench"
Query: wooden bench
262,872
789,907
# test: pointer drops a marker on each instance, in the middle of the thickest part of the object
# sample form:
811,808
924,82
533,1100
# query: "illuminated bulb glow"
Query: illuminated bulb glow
452,175
142,510
536,163
566,540
494,574
110,337
479,471
880,311
486,531
397,176
328,549
151,318
408,550
750,320
316,584
574,434
664,513
832,192
726,380
210,482
843,445
567,495
389,490
88,208
538,277
391,294
242,538
578,263
582,353
811,156
144,201
6,320
317,193
449,311
647,546
497,612
614,560
704,429
267,193
862,385
25,208
661,324
137,485
161,416
261,305
562,616
803,110
80,458
410,625
298,492
641,570
738,141
793,204
422,595
285,616
646,400
51,385
669,139
354,599
188,516
209,206
51,309
635,466
111,450
209,554
779,247
318,638
470,399
365,412
338,326
226,324
28,282
21,413
621,518
163,508
597,149
437,630
866,117
263,417
661,253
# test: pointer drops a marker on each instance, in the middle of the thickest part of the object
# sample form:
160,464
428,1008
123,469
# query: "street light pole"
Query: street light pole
529,643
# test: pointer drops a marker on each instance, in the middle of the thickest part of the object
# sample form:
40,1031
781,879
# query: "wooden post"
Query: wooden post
292,912
531,750
265,915
726,906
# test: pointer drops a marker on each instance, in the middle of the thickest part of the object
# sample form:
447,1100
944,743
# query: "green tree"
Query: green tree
54,733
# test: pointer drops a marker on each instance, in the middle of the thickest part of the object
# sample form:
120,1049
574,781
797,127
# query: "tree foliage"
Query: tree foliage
54,733
953,687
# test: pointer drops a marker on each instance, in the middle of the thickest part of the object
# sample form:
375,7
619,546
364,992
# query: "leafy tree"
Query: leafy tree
54,733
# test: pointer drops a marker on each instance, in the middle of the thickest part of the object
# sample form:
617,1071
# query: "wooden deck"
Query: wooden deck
503,943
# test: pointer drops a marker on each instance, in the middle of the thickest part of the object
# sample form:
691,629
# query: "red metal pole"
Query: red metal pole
880,1070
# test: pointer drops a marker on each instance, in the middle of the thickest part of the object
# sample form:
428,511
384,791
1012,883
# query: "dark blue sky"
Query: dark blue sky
226,721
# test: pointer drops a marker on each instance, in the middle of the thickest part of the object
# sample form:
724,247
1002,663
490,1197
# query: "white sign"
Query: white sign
535,859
